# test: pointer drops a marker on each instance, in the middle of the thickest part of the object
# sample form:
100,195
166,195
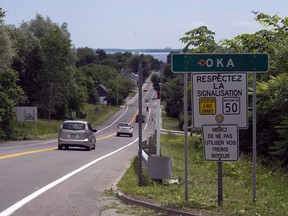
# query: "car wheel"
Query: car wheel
88,148
66,147
59,147
118,134
131,135
94,147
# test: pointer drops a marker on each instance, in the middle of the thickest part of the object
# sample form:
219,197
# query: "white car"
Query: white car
76,134
125,128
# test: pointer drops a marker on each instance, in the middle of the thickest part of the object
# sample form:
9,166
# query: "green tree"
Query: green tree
173,90
6,51
101,54
27,61
272,111
55,79
134,62
201,39
87,77
119,89
86,56
10,95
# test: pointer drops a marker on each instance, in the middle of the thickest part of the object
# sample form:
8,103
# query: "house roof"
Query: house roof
102,87
101,90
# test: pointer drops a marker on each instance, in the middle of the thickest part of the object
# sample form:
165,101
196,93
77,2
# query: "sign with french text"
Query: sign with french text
237,62
221,142
220,99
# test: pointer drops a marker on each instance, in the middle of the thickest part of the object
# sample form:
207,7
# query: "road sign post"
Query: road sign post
208,105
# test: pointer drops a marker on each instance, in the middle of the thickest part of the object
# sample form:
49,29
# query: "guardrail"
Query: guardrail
171,132
144,158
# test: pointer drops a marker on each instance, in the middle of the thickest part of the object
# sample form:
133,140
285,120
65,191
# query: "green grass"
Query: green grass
272,184
169,123
43,129
97,114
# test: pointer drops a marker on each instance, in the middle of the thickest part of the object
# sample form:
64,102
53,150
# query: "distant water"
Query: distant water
161,56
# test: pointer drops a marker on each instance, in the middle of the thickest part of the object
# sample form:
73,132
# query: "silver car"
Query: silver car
76,134
125,128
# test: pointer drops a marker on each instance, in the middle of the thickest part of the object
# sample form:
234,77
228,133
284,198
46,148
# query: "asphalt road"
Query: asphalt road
38,179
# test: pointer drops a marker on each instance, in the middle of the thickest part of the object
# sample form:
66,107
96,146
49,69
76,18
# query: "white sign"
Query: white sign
221,142
26,113
220,99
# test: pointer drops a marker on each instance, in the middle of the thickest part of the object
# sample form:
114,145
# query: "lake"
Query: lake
161,56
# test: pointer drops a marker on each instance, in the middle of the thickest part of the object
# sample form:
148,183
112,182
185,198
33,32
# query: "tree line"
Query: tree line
40,66
272,87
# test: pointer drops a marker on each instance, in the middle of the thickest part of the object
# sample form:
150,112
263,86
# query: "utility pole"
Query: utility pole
140,122
50,101
117,89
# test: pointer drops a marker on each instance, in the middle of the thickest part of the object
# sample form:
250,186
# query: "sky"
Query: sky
145,24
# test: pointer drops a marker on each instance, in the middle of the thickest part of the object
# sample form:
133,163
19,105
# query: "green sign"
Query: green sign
206,63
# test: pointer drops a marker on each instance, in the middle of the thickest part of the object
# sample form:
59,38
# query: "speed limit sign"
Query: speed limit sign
231,106
220,98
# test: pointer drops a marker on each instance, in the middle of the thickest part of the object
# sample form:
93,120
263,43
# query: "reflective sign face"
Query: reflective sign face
221,142
207,106
220,99
250,62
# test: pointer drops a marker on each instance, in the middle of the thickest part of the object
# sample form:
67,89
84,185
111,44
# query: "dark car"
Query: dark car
76,134
138,118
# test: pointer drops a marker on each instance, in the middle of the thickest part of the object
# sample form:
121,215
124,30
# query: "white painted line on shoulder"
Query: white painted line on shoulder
32,196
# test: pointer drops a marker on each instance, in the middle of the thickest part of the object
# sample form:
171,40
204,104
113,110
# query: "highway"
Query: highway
38,179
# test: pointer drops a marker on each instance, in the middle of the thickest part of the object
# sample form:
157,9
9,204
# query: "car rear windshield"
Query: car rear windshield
124,125
73,126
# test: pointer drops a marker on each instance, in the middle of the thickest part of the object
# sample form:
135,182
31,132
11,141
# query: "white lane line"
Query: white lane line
114,121
32,196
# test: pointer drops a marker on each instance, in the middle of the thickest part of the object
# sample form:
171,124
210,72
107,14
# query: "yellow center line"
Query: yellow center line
25,153
53,148
105,137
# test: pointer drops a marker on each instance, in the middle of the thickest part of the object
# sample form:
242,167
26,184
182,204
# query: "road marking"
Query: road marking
25,153
105,137
37,193
101,138
114,121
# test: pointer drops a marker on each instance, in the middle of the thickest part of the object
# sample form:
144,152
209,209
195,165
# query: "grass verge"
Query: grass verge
169,123
272,184
43,129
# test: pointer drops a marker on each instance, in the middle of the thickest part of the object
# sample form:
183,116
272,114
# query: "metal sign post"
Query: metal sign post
186,133
254,138
140,123
220,184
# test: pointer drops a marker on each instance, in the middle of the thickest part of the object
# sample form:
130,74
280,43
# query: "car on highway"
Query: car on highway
138,118
75,133
124,128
